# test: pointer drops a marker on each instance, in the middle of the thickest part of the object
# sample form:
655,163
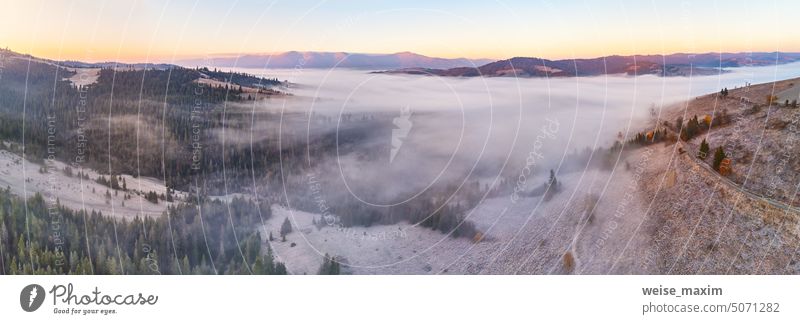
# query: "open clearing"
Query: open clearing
528,237
26,178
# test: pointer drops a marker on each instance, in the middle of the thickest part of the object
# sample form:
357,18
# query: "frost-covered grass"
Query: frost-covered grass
26,178
529,236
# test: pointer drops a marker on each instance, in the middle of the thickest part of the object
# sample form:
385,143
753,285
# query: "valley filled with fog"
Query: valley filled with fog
464,113
483,147
459,128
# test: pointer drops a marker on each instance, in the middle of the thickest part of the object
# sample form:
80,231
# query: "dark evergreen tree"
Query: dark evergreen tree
552,182
286,227
329,266
704,149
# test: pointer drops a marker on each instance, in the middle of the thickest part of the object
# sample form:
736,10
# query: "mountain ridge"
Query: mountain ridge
311,59
678,64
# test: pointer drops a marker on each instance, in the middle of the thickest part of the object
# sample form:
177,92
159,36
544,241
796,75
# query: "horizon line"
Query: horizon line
233,55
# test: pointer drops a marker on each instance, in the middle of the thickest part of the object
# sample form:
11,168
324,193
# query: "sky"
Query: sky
161,31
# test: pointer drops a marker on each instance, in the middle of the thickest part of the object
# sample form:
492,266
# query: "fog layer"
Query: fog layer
477,127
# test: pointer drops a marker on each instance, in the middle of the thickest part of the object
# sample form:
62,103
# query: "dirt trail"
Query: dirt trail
734,186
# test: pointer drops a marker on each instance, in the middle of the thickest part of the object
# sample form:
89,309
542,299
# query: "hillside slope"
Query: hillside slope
744,222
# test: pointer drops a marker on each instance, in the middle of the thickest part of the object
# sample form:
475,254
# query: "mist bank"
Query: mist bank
590,110
386,138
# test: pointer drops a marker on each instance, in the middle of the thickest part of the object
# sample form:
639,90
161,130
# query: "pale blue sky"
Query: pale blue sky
160,30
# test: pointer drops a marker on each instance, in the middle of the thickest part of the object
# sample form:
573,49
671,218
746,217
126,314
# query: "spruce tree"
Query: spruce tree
286,227
703,150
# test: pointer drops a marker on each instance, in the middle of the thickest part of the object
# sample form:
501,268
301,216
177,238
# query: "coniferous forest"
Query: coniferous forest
43,237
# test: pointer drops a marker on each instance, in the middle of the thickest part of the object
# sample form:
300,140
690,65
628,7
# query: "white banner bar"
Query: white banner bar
398,299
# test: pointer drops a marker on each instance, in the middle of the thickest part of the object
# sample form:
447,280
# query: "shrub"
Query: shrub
725,167
771,99
478,237
719,155
569,261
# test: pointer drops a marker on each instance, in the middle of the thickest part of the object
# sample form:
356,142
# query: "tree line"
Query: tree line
38,236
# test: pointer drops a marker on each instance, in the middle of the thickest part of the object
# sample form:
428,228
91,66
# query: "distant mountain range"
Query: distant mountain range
664,65
116,65
326,60
679,64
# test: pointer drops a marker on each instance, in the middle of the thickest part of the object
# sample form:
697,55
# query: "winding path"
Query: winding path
733,185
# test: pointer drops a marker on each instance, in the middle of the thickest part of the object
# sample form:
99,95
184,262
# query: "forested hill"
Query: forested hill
241,79
161,82
662,65
181,85
128,119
